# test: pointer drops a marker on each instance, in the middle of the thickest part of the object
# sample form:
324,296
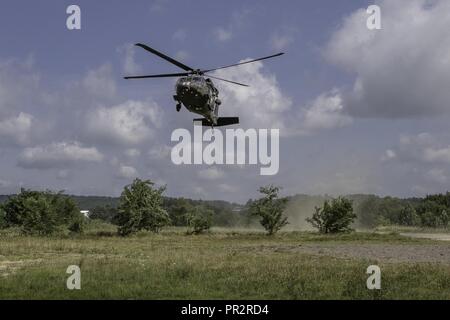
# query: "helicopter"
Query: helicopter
195,89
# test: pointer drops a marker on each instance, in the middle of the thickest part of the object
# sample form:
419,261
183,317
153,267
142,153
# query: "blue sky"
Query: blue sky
361,111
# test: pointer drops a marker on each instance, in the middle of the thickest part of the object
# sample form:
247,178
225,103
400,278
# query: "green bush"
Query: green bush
199,220
37,212
140,208
270,209
334,217
39,217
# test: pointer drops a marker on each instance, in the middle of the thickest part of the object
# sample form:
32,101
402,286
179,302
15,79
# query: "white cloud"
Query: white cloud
159,153
63,174
158,6
130,123
19,86
402,70
281,42
424,157
222,34
262,105
127,172
57,155
211,174
16,129
283,38
4,183
100,82
324,113
237,21
130,67
389,155
132,153
226,188
441,155
423,148
437,175
180,35
182,55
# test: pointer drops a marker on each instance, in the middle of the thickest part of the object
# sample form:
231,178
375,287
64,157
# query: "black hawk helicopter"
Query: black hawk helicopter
196,91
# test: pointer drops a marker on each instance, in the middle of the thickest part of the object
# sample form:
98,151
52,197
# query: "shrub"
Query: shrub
39,216
334,217
37,212
199,220
270,209
140,208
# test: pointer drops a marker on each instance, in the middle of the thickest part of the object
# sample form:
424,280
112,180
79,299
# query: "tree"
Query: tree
199,220
408,216
334,217
140,208
433,212
270,209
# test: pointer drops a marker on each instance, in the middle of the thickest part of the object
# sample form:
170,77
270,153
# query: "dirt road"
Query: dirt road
432,236
383,253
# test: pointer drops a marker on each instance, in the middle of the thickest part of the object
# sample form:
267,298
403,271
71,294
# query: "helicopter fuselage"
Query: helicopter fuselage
198,95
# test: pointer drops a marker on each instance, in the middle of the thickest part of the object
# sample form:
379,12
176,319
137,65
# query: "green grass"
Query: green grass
225,264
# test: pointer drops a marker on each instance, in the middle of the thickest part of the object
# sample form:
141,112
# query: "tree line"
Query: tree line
143,207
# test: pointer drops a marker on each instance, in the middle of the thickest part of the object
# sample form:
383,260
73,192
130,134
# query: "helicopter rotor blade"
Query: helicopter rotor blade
242,63
233,82
167,75
165,57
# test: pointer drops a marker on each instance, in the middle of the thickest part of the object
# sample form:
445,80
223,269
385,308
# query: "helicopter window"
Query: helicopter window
197,79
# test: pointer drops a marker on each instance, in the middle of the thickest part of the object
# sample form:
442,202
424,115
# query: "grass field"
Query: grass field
224,264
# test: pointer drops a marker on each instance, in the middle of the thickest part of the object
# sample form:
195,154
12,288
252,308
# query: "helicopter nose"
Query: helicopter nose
185,89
